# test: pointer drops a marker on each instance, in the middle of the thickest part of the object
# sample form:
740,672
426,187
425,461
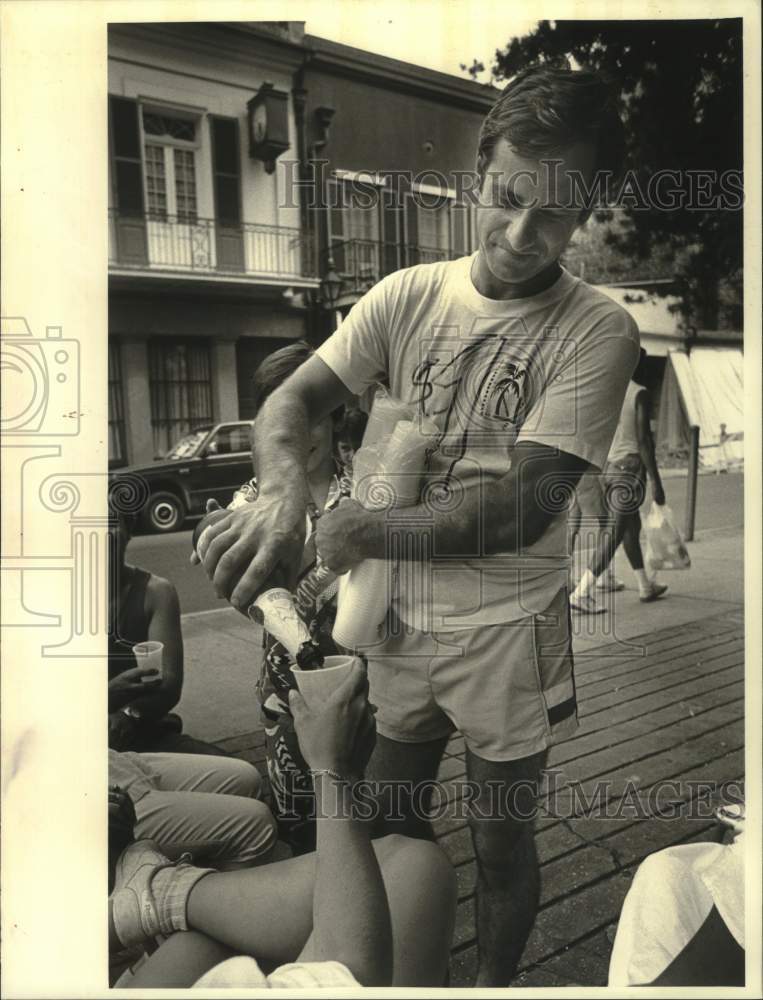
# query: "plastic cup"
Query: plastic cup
317,686
150,654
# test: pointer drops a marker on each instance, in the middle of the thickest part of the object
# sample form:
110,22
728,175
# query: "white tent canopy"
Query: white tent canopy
658,326
706,389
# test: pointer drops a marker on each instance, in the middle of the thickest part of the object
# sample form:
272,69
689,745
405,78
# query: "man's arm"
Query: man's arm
646,446
263,542
579,407
504,516
163,607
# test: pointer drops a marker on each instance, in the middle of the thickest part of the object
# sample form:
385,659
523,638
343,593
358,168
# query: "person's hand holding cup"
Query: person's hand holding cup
149,656
335,725
136,681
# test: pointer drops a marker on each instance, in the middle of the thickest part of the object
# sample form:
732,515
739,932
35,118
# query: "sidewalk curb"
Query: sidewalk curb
206,613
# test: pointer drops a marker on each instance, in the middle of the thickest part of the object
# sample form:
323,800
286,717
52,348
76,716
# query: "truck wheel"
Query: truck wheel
164,513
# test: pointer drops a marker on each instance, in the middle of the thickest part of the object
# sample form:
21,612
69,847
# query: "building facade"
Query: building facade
260,180
397,144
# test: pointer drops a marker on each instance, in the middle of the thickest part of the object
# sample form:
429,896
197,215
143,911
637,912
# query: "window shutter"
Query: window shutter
392,236
226,163
226,169
459,229
130,225
128,174
411,230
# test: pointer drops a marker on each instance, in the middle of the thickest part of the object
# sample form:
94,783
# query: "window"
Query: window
185,183
156,182
230,440
181,389
165,125
436,227
371,233
186,446
169,156
433,228
354,221
117,450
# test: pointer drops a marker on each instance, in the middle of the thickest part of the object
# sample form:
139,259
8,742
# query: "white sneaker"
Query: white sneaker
135,915
138,915
586,604
610,584
655,592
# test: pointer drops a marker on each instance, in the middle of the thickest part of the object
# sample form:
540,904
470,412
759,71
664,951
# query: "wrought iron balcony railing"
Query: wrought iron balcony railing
173,243
361,263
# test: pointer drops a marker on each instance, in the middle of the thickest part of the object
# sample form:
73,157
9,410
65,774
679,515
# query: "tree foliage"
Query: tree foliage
681,90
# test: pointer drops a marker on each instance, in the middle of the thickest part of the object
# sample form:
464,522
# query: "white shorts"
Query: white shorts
509,689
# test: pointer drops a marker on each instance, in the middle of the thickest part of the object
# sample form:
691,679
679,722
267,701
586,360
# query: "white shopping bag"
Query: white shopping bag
665,548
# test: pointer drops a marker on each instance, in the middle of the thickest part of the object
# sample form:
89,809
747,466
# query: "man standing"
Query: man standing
523,369
631,457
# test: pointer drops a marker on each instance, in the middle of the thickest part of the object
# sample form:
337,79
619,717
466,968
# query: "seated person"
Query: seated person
378,913
682,923
141,607
206,805
349,436
315,596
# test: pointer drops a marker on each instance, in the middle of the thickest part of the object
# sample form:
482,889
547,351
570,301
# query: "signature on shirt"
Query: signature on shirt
481,388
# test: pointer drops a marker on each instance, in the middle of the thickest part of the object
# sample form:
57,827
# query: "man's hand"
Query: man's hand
202,542
658,493
257,544
349,534
338,734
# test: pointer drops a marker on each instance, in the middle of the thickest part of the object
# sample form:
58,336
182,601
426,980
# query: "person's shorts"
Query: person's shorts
509,689
625,485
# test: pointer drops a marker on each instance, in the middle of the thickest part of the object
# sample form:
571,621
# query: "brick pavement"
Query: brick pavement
671,710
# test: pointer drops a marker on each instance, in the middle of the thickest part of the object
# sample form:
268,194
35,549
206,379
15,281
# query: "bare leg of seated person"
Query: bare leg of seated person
267,913
179,962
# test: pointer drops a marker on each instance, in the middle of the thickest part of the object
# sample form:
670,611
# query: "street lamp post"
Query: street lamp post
331,286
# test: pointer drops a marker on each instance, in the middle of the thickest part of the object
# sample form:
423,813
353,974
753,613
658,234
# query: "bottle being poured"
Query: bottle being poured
275,609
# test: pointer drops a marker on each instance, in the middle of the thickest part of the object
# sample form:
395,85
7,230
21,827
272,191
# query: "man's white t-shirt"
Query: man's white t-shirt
491,374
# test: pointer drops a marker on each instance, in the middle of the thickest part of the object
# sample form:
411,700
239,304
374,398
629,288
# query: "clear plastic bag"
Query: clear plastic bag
665,548
387,472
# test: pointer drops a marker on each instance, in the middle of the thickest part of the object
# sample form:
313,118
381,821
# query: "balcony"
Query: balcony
361,263
180,246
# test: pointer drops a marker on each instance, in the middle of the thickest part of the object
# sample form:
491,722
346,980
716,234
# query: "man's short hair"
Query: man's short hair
545,109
